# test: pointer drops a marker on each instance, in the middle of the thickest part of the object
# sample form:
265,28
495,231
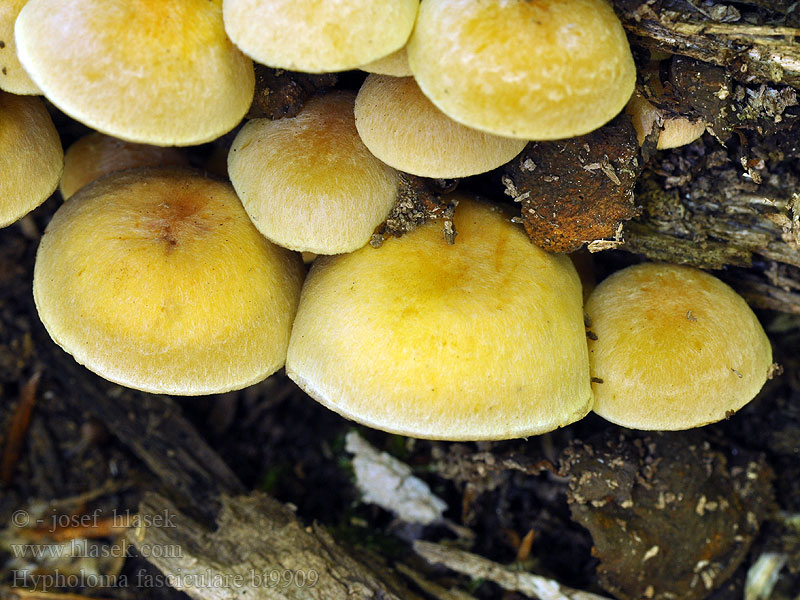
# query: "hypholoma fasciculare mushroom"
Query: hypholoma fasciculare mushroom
481,339
31,157
156,279
534,70
672,348
145,71
319,37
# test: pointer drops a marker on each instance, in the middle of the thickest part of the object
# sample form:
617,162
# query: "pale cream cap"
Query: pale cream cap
145,71
98,154
394,64
405,130
478,340
540,70
13,77
308,182
676,348
156,279
675,131
31,159
319,37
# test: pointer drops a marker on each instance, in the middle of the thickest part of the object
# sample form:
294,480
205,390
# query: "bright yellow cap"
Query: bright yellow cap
31,159
13,77
97,154
482,339
319,36
405,130
145,71
156,279
540,70
676,348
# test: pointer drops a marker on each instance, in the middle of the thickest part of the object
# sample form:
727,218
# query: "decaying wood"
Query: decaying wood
761,51
255,535
259,550
478,567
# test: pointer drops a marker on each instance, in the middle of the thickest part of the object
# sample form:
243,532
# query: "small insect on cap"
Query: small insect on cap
31,160
156,279
479,340
540,70
672,348
405,130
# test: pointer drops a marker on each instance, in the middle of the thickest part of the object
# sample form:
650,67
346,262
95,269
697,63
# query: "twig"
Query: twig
18,428
478,567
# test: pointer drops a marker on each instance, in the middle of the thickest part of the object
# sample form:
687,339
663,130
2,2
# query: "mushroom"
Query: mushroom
539,70
13,77
675,130
394,64
319,37
672,347
308,182
159,73
32,159
156,279
405,130
97,154
481,339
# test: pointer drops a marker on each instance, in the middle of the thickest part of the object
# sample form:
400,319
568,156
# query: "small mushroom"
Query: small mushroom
31,160
97,154
541,70
146,71
308,182
405,130
478,340
319,37
157,280
673,348
675,130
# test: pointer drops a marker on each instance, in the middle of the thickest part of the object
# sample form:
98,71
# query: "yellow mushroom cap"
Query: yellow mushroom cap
13,77
308,182
394,64
676,348
405,130
157,280
319,37
539,70
31,159
97,154
482,339
146,71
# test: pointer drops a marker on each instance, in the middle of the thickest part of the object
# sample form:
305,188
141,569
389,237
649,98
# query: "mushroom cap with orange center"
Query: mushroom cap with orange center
675,348
31,160
405,130
146,71
157,280
482,339
537,70
316,36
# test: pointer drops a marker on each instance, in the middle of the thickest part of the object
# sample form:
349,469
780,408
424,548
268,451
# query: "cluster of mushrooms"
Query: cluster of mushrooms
167,280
